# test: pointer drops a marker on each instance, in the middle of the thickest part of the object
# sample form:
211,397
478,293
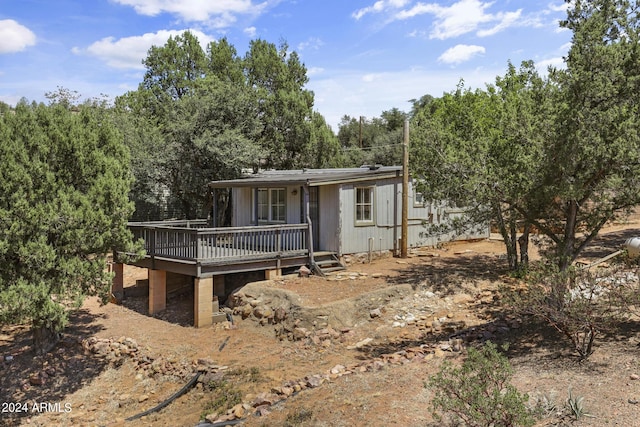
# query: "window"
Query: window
364,205
272,205
418,197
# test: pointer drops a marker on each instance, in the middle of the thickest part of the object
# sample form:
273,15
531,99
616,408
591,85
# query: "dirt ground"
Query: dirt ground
367,341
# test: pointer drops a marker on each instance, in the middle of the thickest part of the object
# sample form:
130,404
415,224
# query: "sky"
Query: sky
363,57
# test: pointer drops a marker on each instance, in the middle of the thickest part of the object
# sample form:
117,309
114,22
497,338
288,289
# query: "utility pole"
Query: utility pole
405,192
360,137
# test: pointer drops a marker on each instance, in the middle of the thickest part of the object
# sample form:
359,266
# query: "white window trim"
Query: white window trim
270,205
364,222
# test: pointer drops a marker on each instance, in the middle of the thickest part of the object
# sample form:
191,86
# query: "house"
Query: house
286,219
356,210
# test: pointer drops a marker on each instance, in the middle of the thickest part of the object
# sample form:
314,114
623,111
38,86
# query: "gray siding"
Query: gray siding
385,232
329,218
337,217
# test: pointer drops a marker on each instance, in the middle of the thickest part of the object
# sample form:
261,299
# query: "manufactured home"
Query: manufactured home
350,211
287,219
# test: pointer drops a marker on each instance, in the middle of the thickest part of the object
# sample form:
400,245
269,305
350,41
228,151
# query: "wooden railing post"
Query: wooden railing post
152,251
198,250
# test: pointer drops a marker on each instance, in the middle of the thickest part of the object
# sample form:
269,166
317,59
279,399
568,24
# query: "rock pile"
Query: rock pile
260,405
116,351
263,310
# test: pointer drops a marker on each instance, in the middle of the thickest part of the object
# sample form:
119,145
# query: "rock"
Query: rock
280,314
265,399
313,381
375,313
364,342
101,348
304,271
376,275
337,369
212,417
299,334
143,398
287,391
262,312
262,411
634,377
36,380
238,411
246,311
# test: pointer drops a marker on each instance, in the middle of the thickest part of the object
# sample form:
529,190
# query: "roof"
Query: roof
311,177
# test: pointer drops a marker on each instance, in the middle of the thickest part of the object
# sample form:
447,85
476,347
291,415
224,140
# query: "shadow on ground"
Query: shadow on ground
447,273
28,380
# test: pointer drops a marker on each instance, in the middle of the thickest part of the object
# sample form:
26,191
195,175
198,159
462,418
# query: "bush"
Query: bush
579,304
478,393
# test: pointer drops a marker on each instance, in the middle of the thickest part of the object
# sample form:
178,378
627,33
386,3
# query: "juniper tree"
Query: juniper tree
63,208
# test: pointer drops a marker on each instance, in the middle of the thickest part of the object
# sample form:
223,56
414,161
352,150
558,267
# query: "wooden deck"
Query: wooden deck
189,247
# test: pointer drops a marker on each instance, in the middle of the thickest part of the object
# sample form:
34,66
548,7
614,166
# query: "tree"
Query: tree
194,107
285,107
591,171
63,207
480,149
172,68
212,136
373,141
324,148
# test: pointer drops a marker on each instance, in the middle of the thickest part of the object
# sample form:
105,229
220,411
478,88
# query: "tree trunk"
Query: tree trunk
509,240
44,338
566,252
523,242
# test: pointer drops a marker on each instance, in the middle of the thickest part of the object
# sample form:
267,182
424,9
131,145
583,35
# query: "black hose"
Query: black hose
173,397
221,423
226,340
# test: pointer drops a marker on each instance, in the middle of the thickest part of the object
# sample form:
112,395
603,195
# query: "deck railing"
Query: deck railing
178,240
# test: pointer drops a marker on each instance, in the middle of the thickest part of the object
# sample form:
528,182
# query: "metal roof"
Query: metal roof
312,177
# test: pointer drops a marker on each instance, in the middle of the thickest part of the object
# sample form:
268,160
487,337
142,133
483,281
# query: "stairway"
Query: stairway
326,263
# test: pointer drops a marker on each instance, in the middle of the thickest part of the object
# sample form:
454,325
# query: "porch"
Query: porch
192,248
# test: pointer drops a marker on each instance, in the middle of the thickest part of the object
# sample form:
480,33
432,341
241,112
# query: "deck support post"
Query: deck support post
157,291
272,274
203,302
117,286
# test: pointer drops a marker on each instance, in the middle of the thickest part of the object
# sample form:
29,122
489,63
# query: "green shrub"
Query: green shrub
479,393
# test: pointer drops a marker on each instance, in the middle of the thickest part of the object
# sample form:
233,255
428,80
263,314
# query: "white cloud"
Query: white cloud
460,53
544,65
129,52
560,7
462,17
221,12
313,43
250,31
507,20
15,37
379,6
314,71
